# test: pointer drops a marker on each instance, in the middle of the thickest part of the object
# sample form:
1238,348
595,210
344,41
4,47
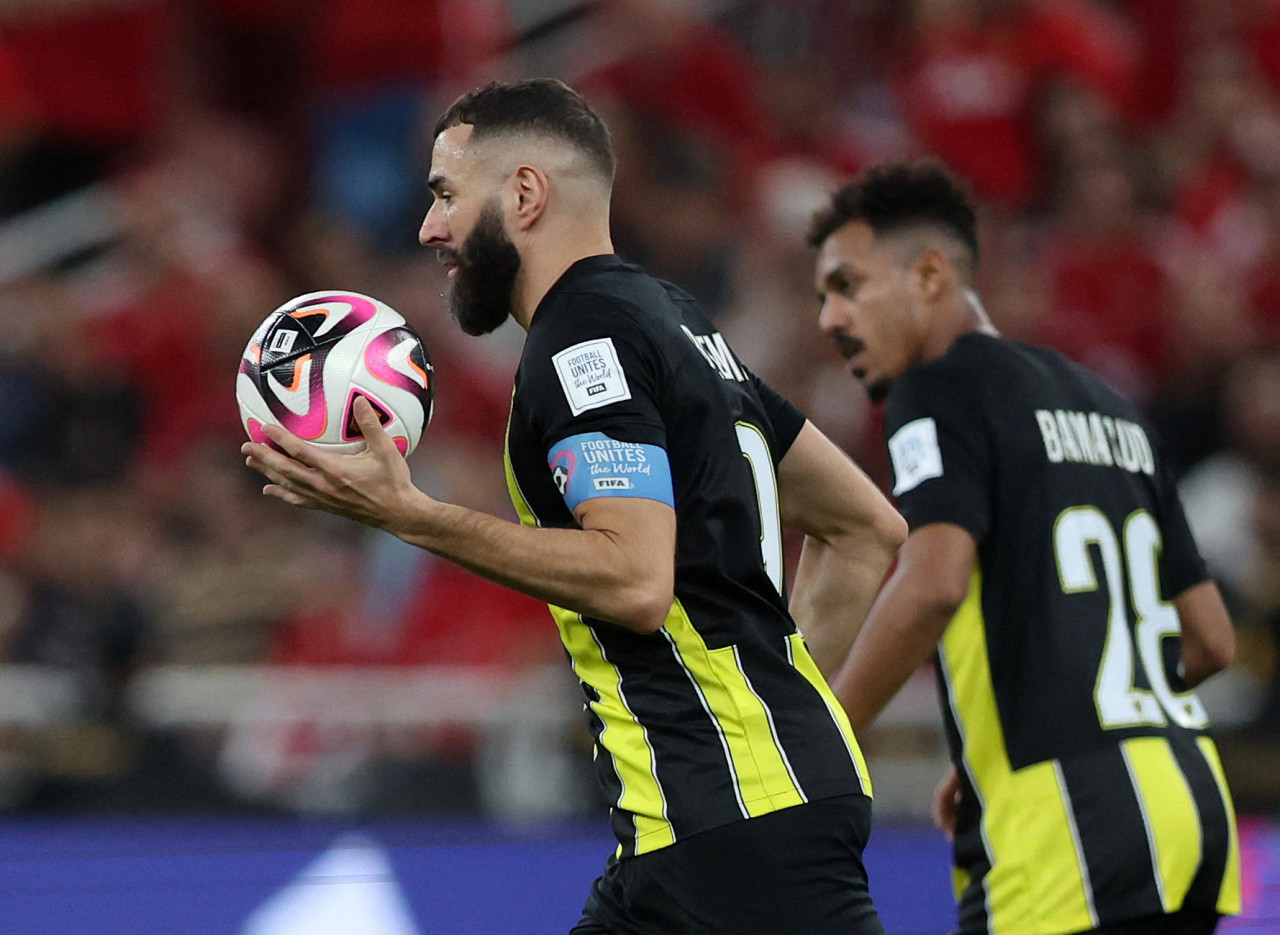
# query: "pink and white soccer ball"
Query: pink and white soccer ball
309,360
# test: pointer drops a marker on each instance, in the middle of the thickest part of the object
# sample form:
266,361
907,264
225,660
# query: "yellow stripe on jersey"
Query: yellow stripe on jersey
513,486
1229,896
623,737
1169,812
1038,879
805,665
760,769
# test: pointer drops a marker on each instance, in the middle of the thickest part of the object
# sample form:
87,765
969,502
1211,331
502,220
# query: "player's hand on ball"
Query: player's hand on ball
372,486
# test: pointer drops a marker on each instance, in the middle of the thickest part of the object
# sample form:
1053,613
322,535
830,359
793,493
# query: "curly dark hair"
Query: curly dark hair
543,106
895,196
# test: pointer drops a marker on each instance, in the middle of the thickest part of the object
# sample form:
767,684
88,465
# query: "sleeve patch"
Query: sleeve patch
591,375
595,465
915,454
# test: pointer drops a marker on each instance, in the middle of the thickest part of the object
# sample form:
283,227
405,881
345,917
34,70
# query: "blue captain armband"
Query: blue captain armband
595,465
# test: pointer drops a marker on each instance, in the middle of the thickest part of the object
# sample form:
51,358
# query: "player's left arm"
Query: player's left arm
851,535
908,618
1208,638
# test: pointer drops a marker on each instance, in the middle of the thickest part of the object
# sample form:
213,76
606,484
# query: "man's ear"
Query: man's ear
934,273
528,191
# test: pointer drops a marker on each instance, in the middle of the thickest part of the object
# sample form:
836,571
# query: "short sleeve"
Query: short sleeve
783,416
1181,564
591,367
939,449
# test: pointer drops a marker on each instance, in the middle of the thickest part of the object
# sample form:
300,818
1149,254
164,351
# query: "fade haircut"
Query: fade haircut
538,106
899,196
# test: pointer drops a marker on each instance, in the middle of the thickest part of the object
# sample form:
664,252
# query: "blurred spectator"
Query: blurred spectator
372,69
69,418
235,570
1223,493
85,611
89,79
979,67
1233,506
1108,293
684,104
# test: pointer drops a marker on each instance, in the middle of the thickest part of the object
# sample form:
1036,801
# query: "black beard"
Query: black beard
486,277
878,392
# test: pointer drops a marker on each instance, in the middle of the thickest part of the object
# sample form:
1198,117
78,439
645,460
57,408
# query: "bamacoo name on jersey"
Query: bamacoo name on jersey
1094,438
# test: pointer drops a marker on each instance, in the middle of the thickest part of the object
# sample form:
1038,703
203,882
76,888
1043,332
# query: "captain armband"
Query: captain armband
595,465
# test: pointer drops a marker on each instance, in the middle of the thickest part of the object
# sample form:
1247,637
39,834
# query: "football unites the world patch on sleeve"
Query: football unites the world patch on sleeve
594,465
915,454
591,375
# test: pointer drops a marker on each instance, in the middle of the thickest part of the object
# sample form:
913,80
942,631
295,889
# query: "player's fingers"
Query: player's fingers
267,471
269,460
288,496
281,469
375,436
294,446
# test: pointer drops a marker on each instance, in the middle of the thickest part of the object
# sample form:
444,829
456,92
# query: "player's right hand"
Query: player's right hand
370,487
946,798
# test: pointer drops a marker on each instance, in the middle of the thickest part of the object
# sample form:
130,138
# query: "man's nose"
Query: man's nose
433,229
834,317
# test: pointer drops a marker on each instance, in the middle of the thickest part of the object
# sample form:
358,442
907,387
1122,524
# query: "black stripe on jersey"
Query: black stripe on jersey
610,783
971,859
970,855
661,694
622,821
805,731
1112,835
1214,830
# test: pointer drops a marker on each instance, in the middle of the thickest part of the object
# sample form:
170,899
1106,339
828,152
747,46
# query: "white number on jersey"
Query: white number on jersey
1119,701
756,450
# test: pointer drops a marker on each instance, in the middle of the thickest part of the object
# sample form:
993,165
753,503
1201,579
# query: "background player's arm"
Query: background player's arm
1208,639
620,566
909,616
851,535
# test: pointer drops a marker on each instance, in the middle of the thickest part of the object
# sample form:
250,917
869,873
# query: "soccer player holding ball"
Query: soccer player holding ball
1050,567
653,474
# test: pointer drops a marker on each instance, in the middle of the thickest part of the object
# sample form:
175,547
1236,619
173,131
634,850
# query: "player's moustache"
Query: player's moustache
848,346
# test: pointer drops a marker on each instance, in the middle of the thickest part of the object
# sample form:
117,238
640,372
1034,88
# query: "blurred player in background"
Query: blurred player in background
1050,566
653,474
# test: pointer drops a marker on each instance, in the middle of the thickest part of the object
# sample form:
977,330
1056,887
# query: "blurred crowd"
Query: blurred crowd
172,170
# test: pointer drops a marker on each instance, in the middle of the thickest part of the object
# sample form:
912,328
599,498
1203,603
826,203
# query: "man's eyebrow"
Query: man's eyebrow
840,274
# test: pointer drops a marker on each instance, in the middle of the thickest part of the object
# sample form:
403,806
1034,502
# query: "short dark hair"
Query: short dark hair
896,196
544,106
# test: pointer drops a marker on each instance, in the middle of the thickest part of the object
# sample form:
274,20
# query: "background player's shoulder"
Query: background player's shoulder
967,364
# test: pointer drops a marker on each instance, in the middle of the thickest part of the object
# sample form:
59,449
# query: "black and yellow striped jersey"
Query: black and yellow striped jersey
1090,790
721,715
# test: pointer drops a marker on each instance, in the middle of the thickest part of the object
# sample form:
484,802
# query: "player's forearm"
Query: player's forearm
1208,638
901,632
833,589
587,571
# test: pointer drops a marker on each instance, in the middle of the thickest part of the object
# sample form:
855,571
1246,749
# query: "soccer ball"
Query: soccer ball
309,360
